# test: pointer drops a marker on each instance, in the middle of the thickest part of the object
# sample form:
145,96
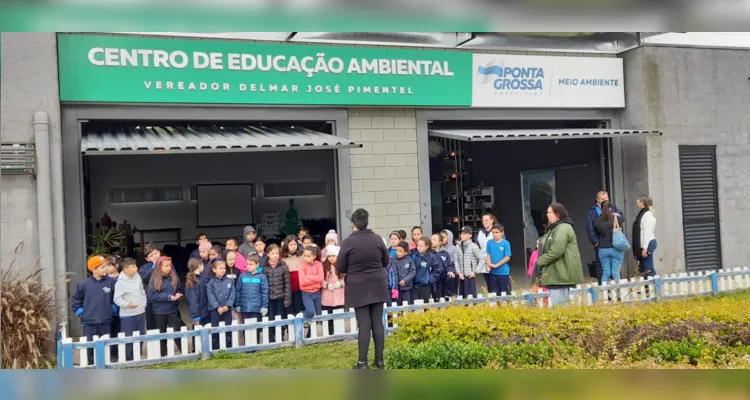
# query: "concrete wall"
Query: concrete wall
695,97
384,171
28,84
108,172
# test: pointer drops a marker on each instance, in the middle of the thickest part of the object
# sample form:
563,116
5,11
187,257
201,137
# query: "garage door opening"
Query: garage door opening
515,169
169,181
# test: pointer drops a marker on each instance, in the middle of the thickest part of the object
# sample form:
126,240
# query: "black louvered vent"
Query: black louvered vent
145,194
700,207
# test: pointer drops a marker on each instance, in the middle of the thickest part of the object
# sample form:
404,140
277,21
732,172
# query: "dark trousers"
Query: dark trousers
330,322
150,321
404,296
468,286
247,316
498,284
275,307
646,266
164,321
114,330
128,325
437,290
421,293
449,286
297,305
370,321
91,330
227,319
204,322
313,306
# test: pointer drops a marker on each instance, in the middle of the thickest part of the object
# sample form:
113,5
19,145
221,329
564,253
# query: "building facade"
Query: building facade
431,140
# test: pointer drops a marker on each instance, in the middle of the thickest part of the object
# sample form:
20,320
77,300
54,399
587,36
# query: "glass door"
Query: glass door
539,192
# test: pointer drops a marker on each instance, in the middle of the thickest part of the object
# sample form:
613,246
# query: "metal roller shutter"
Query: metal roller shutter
700,207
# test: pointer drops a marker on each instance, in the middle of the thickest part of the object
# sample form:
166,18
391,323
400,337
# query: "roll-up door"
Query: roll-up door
700,207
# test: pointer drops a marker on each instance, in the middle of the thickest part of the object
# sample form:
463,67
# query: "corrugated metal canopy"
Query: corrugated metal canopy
171,139
488,135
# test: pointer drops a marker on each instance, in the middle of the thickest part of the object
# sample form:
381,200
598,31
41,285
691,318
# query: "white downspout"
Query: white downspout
58,221
44,198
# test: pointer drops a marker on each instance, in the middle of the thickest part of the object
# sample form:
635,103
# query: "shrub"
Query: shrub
439,354
28,315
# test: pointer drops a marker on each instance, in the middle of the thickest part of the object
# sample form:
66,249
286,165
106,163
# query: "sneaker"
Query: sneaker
379,364
306,329
361,365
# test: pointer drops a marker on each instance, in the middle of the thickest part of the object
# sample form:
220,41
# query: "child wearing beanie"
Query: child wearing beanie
332,239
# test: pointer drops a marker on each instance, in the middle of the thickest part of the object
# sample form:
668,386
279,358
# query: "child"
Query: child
252,294
416,234
468,261
498,255
113,272
164,293
291,253
332,239
195,290
131,298
394,238
204,254
260,250
231,244
333,283
307,241
92,301
443,286
310,279
301,235
448,244
199,240
279,287
404,272
402,235
214,253
427,270
145,271
248,247
220,293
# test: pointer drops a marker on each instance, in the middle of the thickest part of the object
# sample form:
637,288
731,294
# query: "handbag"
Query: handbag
619,240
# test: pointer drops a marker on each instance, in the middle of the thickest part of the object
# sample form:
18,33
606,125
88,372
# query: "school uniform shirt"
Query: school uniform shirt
497,251
403,270
161,302
145,271
251,292
220,292
198,299
429,268
130,290
92,300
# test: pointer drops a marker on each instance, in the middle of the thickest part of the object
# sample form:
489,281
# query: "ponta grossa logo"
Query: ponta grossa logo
514,78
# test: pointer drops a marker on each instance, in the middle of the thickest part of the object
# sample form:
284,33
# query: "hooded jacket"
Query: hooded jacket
246,248
92,300
335,297
279,285
449,247
251,292
429,268
220,292
469,258
559,258
130,290
160,301
403,270
198,299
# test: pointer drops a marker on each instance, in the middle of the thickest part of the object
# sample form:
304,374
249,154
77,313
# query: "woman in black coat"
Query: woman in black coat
363,258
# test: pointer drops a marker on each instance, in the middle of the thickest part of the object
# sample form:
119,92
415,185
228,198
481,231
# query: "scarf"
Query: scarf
637,233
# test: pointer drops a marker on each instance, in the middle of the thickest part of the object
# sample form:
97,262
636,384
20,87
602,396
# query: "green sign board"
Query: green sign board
134,69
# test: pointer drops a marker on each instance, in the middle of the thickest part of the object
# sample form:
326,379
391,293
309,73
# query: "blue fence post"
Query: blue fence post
530,297
59,350
715,282
205,342
657,288
299,333
67,356
385,319
594,294
99,356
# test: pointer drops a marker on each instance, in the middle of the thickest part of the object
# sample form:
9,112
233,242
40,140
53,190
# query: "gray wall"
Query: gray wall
695,97
28,85
106,172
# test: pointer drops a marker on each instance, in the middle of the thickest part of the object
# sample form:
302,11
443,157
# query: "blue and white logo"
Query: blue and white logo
514,78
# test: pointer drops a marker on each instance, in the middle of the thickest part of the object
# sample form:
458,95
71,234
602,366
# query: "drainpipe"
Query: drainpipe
44,198
58,221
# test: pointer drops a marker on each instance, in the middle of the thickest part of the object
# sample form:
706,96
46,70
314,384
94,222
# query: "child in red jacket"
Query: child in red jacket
310,280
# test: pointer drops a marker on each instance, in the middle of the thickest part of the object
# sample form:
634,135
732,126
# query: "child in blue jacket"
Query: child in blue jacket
251,299
164,292
195,291
404,272
445,283
145,272
220,292
428,270
93,301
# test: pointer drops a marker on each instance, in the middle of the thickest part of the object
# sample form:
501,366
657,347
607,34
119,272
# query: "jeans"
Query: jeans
128,325
558,295
611,260
646,267
312,304
370,319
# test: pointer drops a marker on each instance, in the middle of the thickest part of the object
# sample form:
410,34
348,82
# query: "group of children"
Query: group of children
249,280
437,268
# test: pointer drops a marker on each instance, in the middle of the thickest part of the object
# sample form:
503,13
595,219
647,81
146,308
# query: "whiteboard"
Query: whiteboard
224,204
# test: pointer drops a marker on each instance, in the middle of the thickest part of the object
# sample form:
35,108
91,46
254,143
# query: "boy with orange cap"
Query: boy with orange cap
92,300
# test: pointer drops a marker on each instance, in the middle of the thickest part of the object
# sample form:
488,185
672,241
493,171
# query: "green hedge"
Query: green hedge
702,332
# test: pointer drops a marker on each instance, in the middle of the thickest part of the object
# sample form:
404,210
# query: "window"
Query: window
294,189
145,194
700,207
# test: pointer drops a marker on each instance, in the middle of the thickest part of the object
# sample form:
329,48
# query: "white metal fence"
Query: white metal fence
256,335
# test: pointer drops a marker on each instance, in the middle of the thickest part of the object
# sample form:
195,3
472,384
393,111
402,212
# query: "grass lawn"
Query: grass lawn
341,355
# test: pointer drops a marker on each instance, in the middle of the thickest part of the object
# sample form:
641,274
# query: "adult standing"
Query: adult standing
363,257
559,258
609,256
644,237
485,234
594,213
